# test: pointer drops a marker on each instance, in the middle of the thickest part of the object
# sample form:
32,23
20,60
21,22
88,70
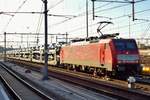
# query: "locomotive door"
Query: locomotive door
102,54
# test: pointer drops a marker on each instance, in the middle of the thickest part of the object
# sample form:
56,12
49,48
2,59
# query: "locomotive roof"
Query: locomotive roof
107,40
105,36
95,39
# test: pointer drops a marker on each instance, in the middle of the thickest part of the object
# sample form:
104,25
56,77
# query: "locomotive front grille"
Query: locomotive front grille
128,68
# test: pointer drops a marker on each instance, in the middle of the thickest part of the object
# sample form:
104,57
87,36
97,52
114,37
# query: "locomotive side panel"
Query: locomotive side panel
93,55
87,55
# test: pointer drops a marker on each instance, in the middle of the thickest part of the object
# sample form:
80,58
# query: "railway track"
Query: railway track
107,88
139,79
18,88
12,94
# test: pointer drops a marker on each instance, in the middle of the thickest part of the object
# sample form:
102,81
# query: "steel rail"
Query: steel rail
35,90
99,86
10,90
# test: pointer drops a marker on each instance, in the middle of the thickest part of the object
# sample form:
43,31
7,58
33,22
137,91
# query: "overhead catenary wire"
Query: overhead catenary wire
56,4
80,15
107,30
67,16
146,30
17,12
102,10
76,29
39,26
107,9
90,12
14,15
124,26
118,17
112,8
118,1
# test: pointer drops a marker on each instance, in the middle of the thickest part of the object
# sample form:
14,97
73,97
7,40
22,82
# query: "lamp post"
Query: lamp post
87,28
4,46
45,69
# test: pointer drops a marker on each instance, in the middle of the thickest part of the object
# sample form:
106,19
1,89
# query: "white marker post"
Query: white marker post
131,82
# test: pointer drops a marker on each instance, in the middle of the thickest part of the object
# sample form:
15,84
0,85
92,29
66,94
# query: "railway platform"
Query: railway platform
3,93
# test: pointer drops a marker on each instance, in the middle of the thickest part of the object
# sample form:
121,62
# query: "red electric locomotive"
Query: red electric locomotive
105,56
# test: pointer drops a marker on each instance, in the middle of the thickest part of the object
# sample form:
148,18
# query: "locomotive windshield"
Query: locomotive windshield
125,44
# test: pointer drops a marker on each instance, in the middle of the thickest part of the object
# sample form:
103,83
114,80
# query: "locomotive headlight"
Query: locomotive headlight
146,69
119,61
143,68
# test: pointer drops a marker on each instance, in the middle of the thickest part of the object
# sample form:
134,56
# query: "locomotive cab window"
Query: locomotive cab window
125,45
131,45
